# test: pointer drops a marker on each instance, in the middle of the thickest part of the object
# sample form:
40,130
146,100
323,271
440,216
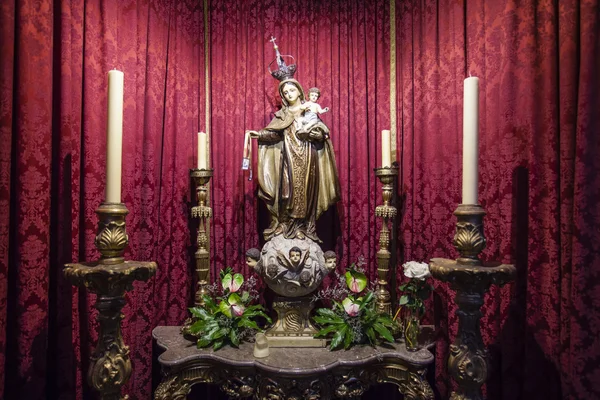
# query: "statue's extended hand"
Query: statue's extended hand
315,135
253,134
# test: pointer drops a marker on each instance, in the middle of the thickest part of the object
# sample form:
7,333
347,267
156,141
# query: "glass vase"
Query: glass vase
412,330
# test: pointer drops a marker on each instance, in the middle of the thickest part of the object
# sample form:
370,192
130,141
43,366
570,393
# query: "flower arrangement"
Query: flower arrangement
230,318
414,294
417,289
353,320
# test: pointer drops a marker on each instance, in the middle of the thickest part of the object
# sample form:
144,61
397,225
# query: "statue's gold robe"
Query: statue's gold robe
297,175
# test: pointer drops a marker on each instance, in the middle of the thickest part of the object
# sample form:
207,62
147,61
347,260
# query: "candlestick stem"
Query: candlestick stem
203,212
468,362
110,277
387,211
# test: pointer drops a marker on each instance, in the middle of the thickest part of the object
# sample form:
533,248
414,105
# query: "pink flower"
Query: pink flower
237,310
350,307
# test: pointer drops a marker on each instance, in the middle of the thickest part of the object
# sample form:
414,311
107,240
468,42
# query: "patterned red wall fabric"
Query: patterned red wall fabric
539,124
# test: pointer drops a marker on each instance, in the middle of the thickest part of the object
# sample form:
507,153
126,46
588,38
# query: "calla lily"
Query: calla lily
232,282
237,310
233,306
350,307
356,281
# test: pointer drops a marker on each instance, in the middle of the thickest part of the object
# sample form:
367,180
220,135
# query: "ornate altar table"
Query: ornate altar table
289,373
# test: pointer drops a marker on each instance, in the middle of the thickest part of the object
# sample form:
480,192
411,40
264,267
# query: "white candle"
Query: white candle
114,136
386,153
470,141
202,154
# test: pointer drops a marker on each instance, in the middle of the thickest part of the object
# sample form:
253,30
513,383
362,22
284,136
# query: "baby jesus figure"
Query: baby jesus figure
312,109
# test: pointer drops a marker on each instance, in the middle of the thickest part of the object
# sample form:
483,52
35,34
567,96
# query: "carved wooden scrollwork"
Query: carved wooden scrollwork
236,385
469,239
172,388
292,389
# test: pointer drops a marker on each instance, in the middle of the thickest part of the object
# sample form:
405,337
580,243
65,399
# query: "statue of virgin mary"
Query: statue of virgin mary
298,181
297,173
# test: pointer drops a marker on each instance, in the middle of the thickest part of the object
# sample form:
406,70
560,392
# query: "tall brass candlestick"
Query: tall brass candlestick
203,212
110,278
387,176
468,363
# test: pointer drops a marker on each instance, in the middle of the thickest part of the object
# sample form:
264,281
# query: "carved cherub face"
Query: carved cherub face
313,96
295,257
251,262
330,263
272,270
305,277
291,93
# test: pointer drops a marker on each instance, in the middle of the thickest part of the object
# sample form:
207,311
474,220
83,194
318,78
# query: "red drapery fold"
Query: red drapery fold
539,102
539,107
53,128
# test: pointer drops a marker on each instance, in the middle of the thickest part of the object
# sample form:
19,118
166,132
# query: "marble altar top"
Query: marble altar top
286,360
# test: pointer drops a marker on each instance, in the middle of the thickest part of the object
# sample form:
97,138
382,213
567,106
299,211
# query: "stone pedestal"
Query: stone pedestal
293,327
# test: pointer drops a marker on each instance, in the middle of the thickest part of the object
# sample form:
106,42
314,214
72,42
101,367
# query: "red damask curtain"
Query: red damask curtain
539,124
538,64
55,59
341,47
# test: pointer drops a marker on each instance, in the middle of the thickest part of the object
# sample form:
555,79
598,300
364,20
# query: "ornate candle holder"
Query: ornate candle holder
110,278
468,362
387,176
203,212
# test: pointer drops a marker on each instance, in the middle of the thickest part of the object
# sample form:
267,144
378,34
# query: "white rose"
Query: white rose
417,270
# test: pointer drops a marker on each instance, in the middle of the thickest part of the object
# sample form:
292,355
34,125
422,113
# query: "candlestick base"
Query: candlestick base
110,278
468,362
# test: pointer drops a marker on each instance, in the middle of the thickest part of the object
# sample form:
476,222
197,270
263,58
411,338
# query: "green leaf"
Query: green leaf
356,281
247,323
235,339
218,344
217,334
234,298
371,335
254,314
367,300
225,308
403,299
338,337
227,270
348,337
226,281
203,342
385,320
326,331
327,313
197,327
384,332
327,320
200,312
